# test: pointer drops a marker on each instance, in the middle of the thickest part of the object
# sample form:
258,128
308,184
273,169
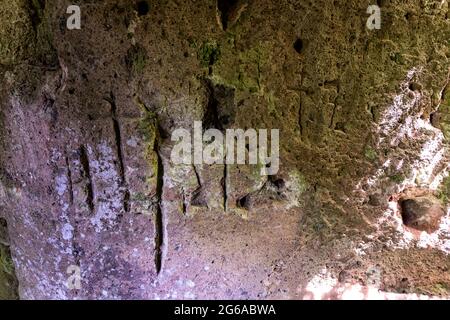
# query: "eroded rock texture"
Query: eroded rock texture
86,118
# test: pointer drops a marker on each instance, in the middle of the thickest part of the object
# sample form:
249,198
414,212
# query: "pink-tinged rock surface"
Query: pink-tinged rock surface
87,183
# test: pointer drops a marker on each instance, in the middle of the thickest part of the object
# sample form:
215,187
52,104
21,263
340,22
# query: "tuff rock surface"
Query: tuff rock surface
86,118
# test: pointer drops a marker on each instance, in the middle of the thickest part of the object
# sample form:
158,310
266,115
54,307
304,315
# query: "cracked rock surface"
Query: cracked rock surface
86,179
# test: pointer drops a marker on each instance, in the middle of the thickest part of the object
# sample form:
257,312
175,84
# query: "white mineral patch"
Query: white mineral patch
67,231
61,184
189,295
422,169
132,142
106,175
190,284
324,286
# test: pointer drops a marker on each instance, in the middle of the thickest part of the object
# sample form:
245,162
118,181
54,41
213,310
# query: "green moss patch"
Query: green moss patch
370,153
136,59
8,282
209,53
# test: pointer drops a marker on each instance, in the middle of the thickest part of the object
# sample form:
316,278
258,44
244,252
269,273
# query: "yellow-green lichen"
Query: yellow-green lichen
209,53
397,178
370,153
271,103
8,282
437,289
6,264
16,36
444,190
44,49
243,70
444,114
25,33
136,59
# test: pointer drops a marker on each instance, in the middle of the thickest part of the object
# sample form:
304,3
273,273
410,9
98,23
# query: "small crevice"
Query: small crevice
333,84
373,113
84,160
225,8
211,116
50,110
225,187
159,216
118,137
9,285
299,46
69,178
229,12
220,114
142,7
184,205
199,182
4,235
300,109
36,8
220,111
333,114
446,90
300,118
126,200
244,202
198,198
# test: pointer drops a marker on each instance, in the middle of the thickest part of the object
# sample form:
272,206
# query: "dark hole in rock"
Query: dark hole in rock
435,119
343,275
299,45
142,7
414,86
184,207
62,25
377,200
422,213
225,120
4,239
244,202
226,9
220,112
279,183
36,9
340,126
199,199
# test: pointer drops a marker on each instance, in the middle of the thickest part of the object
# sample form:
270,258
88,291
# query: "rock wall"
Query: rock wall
86,119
